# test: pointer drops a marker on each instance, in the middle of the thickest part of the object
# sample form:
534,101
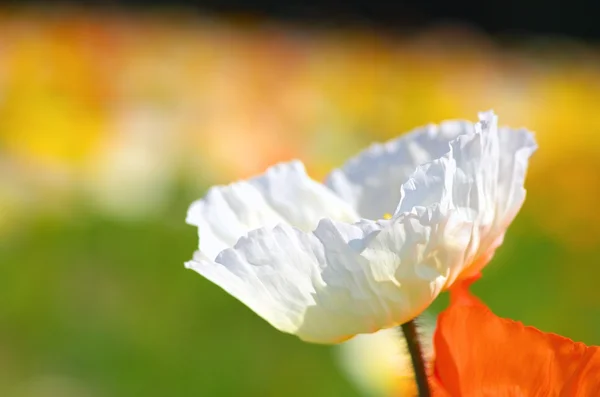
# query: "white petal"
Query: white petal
283,194
516,146
371,181
341,279
482,177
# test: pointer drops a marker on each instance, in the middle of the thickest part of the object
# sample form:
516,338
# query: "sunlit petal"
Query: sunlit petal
482,177
341,279
283,194
478,353
371,180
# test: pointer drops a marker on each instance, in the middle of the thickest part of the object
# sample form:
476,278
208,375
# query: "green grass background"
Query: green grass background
109,304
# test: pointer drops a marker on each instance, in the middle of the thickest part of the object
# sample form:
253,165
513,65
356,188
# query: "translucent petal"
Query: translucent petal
482,177
371,181
480,354
341,279
283,194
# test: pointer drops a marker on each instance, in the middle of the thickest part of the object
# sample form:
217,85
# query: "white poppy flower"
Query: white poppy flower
321,262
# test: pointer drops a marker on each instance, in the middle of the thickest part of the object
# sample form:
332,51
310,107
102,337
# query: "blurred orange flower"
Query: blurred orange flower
480,354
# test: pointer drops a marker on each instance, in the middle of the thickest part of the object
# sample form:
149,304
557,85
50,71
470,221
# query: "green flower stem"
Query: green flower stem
409,330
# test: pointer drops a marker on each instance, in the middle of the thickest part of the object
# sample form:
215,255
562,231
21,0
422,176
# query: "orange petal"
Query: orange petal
480,354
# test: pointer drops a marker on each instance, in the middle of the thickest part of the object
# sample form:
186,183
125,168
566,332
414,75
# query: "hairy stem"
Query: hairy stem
409,330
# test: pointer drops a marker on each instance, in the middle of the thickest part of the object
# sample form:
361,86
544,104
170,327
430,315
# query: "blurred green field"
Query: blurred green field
108,306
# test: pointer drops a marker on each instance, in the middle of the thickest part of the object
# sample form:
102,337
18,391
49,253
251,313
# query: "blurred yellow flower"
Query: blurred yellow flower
220,87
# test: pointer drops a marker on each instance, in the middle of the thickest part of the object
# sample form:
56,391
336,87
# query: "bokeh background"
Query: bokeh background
114,119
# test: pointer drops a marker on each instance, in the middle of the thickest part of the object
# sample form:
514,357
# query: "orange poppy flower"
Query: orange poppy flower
480,354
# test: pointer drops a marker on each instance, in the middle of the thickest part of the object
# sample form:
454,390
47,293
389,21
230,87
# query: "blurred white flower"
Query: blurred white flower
379,363
319,261
132,172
